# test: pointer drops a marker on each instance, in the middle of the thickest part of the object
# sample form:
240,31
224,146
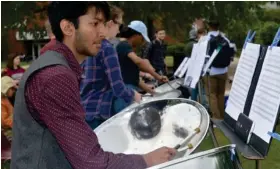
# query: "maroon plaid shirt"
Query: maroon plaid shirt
52,95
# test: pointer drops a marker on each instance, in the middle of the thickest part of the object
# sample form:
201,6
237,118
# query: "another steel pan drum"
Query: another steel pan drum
115,134
164,95
164,91
218,158
171,85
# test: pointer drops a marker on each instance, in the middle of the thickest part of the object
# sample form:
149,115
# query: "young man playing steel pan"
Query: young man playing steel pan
49,128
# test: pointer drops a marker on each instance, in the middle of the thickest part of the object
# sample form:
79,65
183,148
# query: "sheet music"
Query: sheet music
242,80
266,100
179,70
196,64
184,69
209,63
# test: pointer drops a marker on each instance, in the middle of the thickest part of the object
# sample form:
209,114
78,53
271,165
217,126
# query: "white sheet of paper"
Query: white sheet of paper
266,100
179,69
196,64
184,69
242,80
208,64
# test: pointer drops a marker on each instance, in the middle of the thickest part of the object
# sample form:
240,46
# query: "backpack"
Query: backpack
223,58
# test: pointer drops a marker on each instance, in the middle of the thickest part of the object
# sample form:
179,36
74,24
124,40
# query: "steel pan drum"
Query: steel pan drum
164,91
164,95
218,158
171,85
115,135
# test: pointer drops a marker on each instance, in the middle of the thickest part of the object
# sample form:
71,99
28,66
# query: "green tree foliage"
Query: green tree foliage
267,32
19,15
235,17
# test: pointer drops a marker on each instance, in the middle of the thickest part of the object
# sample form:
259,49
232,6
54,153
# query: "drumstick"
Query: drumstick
189,146
196,131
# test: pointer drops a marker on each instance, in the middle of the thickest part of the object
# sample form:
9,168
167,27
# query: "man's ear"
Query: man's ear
67,27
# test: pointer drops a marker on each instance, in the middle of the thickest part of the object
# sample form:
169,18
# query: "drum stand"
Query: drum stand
244,149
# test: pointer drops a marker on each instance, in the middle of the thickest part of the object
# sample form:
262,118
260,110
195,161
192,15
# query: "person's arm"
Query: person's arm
66,121
6,113
146,75
144,65
113,72
147,88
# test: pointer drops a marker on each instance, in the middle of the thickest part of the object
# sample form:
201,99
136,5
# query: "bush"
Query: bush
176,50
266,33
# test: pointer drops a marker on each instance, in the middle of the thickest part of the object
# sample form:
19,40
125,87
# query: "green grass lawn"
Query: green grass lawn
272,161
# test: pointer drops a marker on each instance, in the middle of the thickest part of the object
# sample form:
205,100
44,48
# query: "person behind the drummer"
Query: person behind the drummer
157,52
217,78
50,131
130,63
103,82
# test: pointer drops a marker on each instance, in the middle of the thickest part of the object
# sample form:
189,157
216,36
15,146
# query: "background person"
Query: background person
103,82
217,77
157,52
131,64
13,68
8,90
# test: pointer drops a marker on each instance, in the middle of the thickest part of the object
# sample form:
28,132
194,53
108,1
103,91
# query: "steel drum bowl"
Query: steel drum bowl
115,134
218,158
173,93
164,91
171,85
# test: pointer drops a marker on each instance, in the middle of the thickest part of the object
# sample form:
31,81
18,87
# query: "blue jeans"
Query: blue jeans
119,104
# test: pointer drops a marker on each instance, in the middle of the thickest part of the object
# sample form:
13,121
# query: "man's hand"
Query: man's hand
149,76
164,79
150,88
159,156
137,97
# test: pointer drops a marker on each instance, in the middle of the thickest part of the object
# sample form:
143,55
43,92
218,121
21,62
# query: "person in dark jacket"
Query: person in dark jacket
157,52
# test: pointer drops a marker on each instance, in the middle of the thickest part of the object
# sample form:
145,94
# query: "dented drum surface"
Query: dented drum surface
116,134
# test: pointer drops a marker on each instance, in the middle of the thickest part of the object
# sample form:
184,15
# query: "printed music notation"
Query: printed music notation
266,101
242,80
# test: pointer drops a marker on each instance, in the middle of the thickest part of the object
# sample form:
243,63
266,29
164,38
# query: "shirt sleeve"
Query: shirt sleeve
60,109
124,48
113,72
